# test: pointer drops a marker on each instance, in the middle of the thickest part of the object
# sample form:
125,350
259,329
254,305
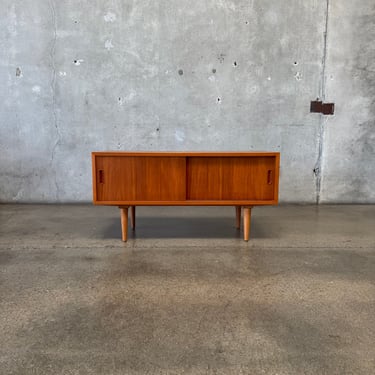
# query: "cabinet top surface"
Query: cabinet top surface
185,153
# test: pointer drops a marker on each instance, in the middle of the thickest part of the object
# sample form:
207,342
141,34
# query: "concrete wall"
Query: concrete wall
184,75
349,142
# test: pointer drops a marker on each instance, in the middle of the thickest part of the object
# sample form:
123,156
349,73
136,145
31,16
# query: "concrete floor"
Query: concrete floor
186,295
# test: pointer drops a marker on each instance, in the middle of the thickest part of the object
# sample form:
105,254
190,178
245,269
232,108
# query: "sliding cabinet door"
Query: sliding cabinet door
231,178
135,178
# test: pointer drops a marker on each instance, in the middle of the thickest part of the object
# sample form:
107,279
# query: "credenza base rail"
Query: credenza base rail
124,210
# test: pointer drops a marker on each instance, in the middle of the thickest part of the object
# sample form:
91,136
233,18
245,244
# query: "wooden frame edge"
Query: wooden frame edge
94,187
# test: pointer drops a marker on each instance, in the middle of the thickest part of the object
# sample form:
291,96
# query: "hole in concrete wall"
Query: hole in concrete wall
295,63
247,22
157,129
78,62
235,63
180,72
218,100
214,71
298,76
18,72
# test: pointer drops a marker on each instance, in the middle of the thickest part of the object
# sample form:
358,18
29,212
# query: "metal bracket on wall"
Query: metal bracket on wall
318,106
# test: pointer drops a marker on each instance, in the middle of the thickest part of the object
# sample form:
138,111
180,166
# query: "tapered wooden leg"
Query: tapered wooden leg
246,222
132,217
124,223
238,217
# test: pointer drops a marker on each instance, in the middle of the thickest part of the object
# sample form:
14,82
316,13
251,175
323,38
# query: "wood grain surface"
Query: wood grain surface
185,178
230,178
130,178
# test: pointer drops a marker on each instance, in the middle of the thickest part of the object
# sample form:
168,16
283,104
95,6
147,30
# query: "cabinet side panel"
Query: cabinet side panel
231,178
277,178
93,164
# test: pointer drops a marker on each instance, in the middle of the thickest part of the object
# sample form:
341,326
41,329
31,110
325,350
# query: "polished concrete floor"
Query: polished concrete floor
185,294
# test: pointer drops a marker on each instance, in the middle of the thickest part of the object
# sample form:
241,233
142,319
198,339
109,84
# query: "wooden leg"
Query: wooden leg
124,223
238,217
246,222
132,217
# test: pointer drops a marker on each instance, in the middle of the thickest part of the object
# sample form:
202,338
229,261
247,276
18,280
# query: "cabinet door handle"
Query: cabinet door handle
270,177
101,176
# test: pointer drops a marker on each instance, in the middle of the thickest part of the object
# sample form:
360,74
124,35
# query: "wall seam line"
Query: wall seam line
53,89
322,120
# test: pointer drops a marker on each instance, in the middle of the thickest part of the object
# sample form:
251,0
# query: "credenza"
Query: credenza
239,179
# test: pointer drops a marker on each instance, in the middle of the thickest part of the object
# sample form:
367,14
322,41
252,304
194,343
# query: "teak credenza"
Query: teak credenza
240,179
